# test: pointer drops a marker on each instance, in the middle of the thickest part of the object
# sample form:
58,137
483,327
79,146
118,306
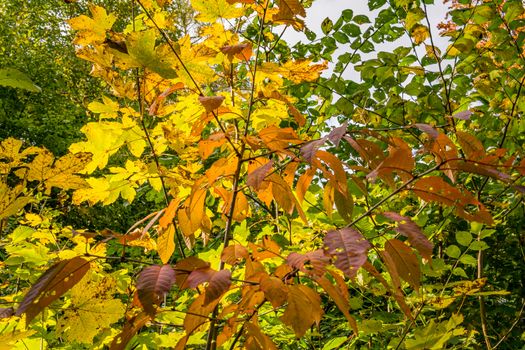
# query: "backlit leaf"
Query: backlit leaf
311,263
303,310
349,249
409,229
152,284
405,262
93,310
57,280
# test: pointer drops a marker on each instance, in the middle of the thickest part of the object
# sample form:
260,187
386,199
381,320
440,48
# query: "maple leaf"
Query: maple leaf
303,310
289,10
93,309
59,173
10,155
212,10
92,30
11,200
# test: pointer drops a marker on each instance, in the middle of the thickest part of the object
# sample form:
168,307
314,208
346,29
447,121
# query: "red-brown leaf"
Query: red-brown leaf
256,177
6,312
349,248
218,284
311,263
309,150
405,262
337,134
409,229
57,280
184,267
152,284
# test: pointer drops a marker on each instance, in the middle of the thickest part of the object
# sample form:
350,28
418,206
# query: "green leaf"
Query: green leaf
464,238
15,78
327,25
334,343
453,251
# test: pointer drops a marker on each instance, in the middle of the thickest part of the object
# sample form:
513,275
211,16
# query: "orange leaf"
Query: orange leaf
131,327
211,103
340,300
303,310
257,340
232,254
274,290
218,282
198,313
169,213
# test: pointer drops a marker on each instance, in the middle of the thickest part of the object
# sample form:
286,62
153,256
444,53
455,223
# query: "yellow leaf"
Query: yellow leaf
59,173
289,10
419,33
166,243
92,30
212,10
11,200
10,155
93,309
109,109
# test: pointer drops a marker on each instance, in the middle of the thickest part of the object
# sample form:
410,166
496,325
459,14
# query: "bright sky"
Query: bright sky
333,8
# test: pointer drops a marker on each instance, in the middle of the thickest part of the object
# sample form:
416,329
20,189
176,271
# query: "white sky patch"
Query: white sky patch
322,9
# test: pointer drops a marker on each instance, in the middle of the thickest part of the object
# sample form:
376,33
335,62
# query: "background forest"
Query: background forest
174,174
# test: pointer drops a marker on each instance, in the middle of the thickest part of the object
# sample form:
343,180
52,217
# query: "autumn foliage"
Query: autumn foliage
285,207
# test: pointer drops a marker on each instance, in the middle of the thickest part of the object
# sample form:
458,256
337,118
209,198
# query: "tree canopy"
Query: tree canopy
252,194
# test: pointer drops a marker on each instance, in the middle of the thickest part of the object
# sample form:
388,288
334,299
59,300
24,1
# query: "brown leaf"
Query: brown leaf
218,282
57,280
349,248
309,149
131,327
409,229
184,267
153,282
399,161
274,290
340,300
234,253
256,177
405,262
337,134
303,310
311,263
471,146
211,103
344,204
288,12
256,339
241,51
6,312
